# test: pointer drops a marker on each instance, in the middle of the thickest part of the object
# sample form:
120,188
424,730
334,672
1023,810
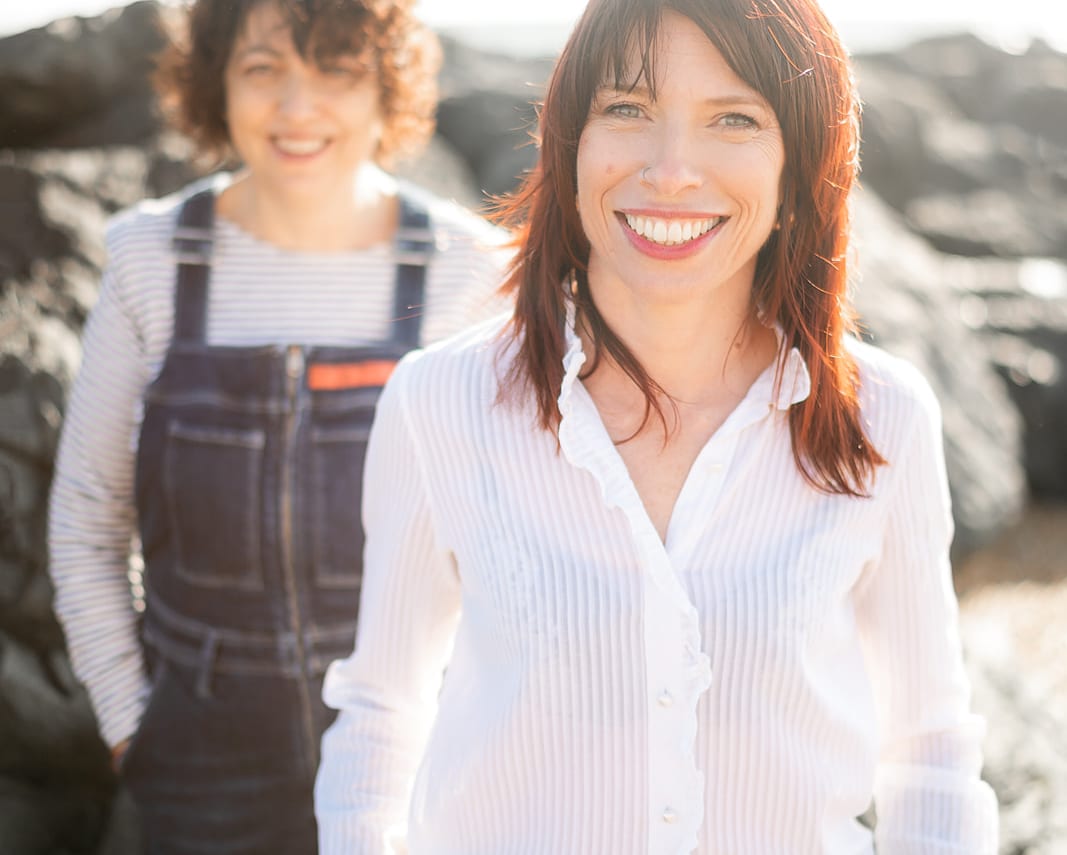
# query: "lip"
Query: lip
668,253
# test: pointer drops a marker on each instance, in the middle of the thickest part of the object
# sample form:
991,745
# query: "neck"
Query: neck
355,214
697,357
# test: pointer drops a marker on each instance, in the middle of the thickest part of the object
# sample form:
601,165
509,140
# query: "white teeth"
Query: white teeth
670,232
300,147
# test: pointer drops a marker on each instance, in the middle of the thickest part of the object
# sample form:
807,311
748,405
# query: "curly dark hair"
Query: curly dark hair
191,71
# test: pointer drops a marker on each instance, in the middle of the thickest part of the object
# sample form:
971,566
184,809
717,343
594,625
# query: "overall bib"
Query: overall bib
248,482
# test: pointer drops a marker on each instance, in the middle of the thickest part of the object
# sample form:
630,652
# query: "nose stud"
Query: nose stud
644,173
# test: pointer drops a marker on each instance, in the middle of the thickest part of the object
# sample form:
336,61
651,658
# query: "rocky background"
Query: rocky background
962,252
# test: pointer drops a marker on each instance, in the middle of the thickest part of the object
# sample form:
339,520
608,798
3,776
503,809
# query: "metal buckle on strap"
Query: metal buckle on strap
193,245
414,245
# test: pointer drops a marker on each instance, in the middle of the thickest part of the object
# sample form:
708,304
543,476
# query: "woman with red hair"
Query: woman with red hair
680,538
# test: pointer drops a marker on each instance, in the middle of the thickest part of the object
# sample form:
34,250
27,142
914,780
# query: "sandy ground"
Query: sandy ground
1014,593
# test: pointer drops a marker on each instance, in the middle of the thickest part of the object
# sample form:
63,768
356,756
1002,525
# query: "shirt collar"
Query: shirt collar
795,385
573,359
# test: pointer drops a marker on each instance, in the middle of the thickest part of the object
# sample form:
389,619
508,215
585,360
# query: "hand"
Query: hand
117,753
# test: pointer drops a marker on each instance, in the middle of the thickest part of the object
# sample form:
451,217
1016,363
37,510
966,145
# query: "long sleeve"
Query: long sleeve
91,517
386,691
928,796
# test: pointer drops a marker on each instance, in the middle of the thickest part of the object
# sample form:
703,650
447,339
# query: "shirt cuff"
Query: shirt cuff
926,811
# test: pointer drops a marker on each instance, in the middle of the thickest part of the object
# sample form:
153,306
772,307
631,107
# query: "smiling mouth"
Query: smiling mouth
670,232
300,148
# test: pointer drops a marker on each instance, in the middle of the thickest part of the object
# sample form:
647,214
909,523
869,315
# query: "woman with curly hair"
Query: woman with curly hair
680,537
231,368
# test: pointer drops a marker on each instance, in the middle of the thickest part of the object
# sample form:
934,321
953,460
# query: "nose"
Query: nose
673,164
297,95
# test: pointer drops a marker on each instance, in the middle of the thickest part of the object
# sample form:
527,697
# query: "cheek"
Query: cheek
758,176
364,122
590,159
241,110
595,176
581,165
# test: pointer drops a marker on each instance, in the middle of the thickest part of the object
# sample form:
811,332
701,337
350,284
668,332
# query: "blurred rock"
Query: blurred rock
990,222
81,81
55,786
492,130
46,819
970,143
467,69
487,114
908,306
915,139
1027,90
30,414
1019,310
55,782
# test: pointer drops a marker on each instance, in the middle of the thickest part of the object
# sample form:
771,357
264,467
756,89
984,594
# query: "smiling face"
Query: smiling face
299,127
678,193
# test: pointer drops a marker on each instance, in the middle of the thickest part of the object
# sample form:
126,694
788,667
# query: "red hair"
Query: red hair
788,52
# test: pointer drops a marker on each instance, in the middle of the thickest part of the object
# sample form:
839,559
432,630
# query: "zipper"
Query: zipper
294,374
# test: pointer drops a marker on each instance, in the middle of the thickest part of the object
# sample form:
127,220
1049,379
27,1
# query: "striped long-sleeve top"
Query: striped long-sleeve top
744,687
260,294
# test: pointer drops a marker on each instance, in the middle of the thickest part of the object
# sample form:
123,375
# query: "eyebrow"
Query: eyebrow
256,47
729,99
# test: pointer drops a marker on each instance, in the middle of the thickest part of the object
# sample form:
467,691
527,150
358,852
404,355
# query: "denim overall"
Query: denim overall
249,474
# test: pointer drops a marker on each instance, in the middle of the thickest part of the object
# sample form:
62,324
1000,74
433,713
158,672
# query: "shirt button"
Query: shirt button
665,699
669,816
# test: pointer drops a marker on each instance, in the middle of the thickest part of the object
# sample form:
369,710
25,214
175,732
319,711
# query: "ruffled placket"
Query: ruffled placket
677,671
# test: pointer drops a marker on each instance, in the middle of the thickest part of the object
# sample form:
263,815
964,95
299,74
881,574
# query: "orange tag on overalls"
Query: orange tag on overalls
326,377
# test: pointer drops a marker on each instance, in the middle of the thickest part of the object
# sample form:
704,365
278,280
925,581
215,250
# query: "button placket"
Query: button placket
699,497
676,672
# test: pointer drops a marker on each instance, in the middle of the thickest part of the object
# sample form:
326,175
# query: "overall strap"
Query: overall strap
414,246
193,243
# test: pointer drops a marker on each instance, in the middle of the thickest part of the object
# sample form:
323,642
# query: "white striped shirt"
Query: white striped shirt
743,688
259,294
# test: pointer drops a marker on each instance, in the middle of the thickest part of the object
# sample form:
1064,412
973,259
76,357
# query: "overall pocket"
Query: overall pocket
212,480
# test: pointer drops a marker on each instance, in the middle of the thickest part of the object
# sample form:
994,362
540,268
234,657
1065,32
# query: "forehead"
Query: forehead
264,23
328,34
677,50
